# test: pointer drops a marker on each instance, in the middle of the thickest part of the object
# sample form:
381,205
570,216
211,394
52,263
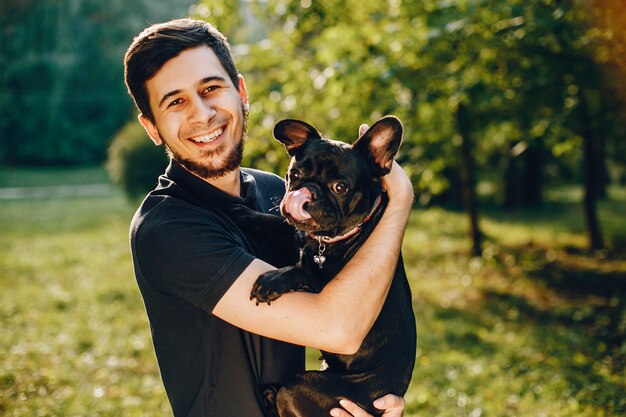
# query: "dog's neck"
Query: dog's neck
356,229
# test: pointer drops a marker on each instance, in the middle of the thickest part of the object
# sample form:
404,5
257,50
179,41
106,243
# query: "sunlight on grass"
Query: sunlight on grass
78,342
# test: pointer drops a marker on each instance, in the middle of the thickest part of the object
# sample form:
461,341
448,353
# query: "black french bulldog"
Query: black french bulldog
334,198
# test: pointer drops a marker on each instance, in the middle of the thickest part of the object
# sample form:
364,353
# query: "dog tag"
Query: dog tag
319,259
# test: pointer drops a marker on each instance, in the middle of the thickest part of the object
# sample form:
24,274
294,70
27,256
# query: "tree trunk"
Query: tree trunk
467,178
591,180
453,196
602,169
532,178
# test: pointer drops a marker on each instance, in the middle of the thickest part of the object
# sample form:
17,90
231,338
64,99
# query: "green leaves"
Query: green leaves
518,66
62,93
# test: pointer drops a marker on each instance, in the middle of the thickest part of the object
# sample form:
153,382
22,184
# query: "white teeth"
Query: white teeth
208,138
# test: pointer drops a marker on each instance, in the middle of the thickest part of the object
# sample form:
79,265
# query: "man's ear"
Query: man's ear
380,143
151,129
294,133
243,94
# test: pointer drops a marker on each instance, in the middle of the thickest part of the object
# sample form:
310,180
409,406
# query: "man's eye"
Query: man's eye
210,89
175,102
339,187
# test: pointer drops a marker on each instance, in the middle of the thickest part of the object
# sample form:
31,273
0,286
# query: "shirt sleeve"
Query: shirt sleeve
190,254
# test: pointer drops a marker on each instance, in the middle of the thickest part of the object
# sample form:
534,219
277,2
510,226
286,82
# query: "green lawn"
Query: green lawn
38,177
535,327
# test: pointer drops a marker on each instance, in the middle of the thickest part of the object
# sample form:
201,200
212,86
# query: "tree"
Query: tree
63,93
467,175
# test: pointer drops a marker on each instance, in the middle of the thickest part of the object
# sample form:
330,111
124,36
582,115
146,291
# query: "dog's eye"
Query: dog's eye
339,187
295,174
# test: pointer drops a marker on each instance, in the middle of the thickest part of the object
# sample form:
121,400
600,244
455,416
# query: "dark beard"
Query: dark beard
207,172
210,171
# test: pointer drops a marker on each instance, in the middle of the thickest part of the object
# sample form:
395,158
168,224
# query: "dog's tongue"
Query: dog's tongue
295,201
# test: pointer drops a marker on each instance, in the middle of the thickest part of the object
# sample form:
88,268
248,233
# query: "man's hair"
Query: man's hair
159,43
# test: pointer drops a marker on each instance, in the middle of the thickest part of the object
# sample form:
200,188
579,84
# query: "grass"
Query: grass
75,341
534,327
40,177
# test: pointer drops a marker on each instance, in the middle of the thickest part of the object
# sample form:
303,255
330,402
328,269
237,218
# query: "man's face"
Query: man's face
198,113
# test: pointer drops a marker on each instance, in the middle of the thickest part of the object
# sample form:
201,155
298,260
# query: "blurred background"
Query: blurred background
514,115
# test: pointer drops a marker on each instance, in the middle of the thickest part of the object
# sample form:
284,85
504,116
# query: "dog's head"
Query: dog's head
332,186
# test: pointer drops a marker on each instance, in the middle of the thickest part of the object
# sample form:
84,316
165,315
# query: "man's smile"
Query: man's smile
210,137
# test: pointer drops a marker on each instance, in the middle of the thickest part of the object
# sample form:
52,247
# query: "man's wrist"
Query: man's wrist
402,199
398,187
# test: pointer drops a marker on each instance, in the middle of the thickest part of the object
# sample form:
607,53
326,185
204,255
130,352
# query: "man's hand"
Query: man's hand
393,406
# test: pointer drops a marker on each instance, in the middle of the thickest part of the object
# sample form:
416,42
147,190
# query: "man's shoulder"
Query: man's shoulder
158,210
264,177
270,189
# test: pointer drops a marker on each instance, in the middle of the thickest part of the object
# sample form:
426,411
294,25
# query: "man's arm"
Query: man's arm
338,318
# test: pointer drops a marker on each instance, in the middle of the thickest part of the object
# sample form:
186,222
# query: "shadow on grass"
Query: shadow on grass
553,215
566,217
580,341
589,289
561,350
583,279
573,304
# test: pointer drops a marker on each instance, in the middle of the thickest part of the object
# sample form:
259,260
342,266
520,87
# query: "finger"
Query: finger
353,409
340,412
362,129
389,402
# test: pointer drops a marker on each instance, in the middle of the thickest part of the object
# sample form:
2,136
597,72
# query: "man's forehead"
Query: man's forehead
185,71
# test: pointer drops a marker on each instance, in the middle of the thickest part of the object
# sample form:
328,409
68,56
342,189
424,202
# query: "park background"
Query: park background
514,141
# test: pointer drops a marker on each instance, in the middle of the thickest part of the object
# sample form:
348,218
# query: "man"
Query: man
195,268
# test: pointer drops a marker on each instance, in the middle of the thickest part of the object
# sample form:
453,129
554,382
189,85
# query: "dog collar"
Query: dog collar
319,259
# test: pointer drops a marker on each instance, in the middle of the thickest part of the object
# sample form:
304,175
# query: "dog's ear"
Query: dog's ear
294,133
380,143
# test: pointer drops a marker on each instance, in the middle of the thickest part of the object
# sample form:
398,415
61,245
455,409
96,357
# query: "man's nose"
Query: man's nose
201,110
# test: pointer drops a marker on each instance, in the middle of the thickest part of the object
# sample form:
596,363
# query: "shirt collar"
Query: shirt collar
211,196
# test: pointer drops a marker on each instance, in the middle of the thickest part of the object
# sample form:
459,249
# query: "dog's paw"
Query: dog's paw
270,392
272,284
269,287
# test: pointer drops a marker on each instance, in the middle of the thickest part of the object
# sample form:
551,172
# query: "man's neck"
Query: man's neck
229,183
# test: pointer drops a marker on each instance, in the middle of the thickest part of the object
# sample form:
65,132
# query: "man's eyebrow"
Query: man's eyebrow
170,94
212,78
202,81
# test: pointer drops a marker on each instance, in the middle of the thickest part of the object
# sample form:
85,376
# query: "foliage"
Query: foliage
62,93
520,67
533,327
134,162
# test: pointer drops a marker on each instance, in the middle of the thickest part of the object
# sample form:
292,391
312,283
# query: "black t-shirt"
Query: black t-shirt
186,253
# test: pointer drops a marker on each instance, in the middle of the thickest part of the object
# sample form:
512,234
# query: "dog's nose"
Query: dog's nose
314,190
